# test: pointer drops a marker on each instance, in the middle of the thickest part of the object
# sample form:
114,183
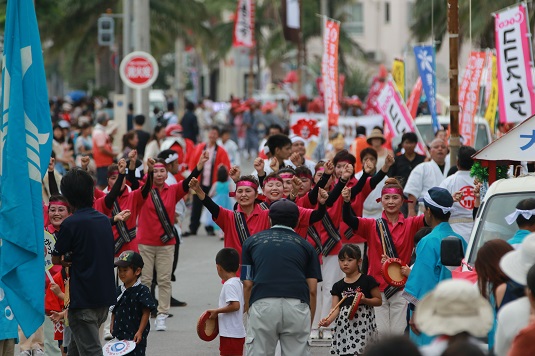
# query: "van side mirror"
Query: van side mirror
451,251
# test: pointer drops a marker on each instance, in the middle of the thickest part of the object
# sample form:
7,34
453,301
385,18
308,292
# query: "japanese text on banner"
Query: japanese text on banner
329,69
515,84
243,35
469,96
395,113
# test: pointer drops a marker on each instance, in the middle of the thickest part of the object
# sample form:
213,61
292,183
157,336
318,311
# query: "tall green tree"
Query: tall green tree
430,19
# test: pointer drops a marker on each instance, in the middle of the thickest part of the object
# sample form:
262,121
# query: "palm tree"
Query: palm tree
482,20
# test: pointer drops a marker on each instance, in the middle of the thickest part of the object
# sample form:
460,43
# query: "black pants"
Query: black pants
196,211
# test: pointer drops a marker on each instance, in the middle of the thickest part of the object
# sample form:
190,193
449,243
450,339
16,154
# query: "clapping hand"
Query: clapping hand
346,194
347,172
85,162
329,167
322,196
121,165
369,166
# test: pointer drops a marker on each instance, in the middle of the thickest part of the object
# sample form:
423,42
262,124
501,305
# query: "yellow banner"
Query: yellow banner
398,73
490,114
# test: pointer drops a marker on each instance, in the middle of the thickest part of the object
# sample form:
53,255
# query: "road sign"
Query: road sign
138,70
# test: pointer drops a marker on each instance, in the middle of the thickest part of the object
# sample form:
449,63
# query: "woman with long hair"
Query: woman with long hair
493,284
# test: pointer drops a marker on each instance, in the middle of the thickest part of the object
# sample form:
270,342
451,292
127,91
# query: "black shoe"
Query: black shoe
177,303
210,233
188,233
173,278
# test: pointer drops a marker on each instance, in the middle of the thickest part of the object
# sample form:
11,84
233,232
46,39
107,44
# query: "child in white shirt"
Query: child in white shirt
230,311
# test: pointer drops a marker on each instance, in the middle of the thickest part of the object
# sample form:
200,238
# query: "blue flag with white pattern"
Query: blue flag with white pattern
425,61
25,148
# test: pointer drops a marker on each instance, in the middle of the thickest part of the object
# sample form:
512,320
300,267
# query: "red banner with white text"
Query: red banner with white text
469,96
329,69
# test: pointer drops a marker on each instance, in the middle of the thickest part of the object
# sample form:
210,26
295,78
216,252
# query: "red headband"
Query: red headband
278,179
112,173
320,169
305,175
243,183
159,165
286,175
392,190
62,203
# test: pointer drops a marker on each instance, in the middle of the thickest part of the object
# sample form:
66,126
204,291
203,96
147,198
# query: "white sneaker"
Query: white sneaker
108,336
327,334
314,334
26,353
38,352
160,322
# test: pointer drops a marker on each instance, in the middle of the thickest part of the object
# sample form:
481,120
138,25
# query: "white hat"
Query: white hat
296,138
454,306
516,264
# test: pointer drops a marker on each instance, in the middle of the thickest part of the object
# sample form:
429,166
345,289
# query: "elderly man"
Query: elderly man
428,174
280,272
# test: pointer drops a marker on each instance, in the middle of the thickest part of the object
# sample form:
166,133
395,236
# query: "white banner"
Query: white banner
516,95
244,25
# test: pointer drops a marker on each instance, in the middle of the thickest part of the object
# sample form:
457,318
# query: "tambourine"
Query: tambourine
207,328
391,271
355,305
118,347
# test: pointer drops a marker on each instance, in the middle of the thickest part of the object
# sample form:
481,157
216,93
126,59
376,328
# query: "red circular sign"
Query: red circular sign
139,70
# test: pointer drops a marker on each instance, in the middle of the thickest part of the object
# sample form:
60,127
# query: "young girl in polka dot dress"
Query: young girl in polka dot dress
352,336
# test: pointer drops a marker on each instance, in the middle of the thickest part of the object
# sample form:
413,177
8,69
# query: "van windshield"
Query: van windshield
426,130
493,224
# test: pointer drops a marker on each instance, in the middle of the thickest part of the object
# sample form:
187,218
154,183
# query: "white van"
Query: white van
483,135
500,201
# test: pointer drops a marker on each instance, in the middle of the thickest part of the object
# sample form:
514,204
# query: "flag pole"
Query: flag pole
453,34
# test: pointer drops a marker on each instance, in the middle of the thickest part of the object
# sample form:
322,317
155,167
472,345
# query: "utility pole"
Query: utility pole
127,42
453,35
141,39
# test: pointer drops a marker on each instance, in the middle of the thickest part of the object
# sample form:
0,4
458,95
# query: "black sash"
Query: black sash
390,251
241,226
125,235
263,206
314,235
168,228
332,231
349,233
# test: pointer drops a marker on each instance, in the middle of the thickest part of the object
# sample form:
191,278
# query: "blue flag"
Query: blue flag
25,148
425,60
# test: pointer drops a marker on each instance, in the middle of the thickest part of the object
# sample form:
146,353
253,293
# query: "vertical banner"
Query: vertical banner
414,98
291,20
425,61
469,96
25,148
329,69
492,104
515,82
243,34
371,99
396,115
398,74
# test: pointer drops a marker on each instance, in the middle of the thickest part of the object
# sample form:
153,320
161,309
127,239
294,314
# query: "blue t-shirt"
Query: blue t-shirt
280,261
87,235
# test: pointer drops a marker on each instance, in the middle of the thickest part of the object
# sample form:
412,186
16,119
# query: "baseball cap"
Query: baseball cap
129,258
284,210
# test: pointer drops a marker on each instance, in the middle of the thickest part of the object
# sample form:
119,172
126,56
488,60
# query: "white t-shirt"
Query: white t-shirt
512,318
231,324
